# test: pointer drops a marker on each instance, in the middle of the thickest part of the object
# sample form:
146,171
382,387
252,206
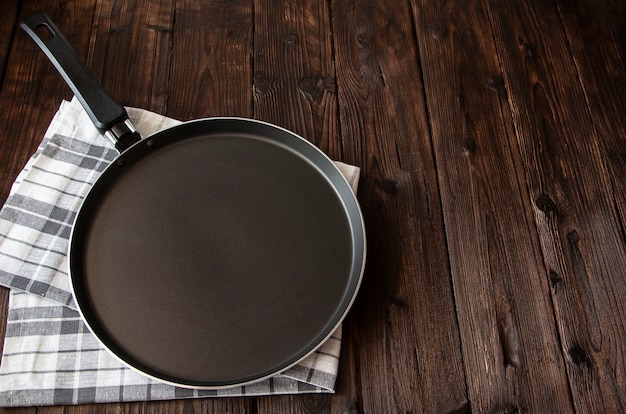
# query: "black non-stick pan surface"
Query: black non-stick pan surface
214,253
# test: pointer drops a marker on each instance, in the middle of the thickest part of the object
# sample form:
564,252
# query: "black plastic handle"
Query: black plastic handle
105,112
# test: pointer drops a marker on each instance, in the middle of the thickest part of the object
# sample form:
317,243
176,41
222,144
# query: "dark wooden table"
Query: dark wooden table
492,141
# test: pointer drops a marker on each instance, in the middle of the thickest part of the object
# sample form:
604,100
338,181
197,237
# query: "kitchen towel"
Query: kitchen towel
49,355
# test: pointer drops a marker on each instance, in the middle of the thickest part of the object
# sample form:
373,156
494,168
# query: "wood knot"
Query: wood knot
361,41
546,204
469,144
511,409
387,186
160,28
314,87
308,86
496,82
290,39
579,355
573,238
465,408
529,48
509,335
555,279
436,31
399,302
261,82
314,402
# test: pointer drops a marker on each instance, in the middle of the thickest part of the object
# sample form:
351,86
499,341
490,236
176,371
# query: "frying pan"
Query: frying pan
215,253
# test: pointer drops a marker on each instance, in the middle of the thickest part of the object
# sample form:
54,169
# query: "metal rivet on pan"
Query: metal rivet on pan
150,143
121,162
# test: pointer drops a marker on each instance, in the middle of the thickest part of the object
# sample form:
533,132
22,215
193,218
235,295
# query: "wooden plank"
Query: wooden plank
294,87
510,349
294,404
30,94
601,70
568,180
31,90
408,341
111,408
602,20
8,11
239,405
211,66
209,75
205,405
133,49
294,75
345,399
115,41
129,51
20,410
51,410
346,396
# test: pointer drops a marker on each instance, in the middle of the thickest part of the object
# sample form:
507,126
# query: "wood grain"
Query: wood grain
8,9
29,96
129,51
499,285
294,76
600,67
574,212
491,138
294,87
31,90
211,61
407,290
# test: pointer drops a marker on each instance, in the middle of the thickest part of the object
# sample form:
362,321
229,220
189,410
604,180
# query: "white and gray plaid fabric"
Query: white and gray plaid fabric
49,356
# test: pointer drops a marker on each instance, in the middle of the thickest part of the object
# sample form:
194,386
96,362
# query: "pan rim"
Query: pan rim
356,224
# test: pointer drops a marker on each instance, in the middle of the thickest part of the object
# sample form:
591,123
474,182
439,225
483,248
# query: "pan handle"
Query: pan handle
109,117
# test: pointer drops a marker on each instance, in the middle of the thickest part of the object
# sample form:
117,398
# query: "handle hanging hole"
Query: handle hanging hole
44,32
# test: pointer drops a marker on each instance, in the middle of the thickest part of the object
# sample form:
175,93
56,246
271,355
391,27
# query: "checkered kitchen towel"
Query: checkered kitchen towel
49,356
